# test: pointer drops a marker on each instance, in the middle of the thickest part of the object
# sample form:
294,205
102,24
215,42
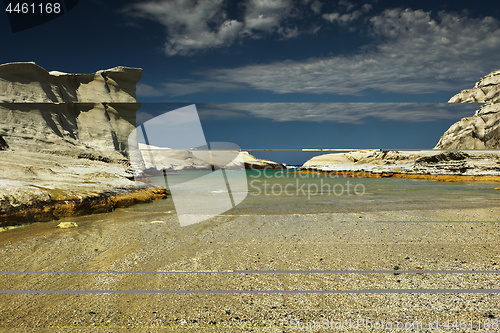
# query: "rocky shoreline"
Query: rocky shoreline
431,164
442,178
101,203
64,143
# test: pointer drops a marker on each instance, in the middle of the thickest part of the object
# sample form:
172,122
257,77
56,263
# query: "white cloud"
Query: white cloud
191,25
348,16
412,53
186,87
197,25
265,15
288,32
340,112
344,18
366,7
346,4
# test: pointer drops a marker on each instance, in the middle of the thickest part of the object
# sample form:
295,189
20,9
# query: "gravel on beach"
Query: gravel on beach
255,258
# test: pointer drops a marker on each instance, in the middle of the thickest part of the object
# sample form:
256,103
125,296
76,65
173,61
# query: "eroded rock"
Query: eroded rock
64,143
22,82
482,130
429,162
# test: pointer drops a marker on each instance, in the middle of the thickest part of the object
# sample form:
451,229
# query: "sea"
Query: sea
275,192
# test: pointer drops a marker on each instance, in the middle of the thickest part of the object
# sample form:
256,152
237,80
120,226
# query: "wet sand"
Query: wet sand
140,247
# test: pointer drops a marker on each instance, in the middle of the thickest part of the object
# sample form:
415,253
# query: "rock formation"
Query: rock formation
71,127
26,82
429,162
63,142
481,131
486,90
58,111
252,162
177,160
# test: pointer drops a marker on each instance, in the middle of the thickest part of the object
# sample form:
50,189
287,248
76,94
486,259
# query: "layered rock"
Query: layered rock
481,131
64,142
429,162
26,82
101,128
486,90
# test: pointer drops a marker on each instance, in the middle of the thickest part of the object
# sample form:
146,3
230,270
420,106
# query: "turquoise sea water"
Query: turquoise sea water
277,192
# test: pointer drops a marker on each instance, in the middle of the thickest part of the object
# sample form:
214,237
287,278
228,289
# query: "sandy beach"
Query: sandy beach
271,264
411,244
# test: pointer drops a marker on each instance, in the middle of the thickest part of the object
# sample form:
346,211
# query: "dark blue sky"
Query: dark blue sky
283,51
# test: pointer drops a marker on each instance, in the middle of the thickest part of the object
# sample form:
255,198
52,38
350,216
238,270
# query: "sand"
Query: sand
236,252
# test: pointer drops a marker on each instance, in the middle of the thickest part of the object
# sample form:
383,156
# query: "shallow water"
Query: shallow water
311,241
275,192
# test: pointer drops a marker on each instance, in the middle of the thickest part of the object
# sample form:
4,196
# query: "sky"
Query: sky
283,73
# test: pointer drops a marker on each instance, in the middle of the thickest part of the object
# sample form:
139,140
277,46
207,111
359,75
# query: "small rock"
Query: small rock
66,225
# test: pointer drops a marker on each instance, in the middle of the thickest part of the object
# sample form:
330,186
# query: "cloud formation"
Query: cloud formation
197,25
354,113
412,52
265,15
345,13
191,25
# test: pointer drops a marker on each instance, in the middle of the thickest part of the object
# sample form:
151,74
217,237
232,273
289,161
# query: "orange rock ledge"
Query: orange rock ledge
442,178
106,202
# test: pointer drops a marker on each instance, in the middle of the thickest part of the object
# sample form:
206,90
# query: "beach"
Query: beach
134,203
404,251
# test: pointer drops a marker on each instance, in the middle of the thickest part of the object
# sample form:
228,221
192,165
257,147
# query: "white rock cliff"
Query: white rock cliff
22,82
482,130
63,142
